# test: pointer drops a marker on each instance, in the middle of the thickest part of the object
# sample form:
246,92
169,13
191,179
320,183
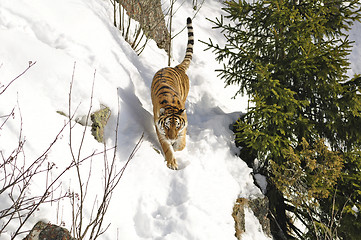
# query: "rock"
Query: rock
239,217
47,231
151,18
99,119
259,206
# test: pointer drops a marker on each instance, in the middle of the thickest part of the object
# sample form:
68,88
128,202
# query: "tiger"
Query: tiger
169,91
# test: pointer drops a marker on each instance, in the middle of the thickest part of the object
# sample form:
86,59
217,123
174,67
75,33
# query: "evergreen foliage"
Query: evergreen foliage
303,126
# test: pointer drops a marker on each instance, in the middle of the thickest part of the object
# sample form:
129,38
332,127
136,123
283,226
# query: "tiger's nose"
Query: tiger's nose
172,135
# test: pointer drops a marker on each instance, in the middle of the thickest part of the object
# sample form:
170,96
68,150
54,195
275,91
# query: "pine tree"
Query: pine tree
290,57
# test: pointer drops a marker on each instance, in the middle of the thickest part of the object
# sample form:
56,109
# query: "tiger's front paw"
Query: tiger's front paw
172,164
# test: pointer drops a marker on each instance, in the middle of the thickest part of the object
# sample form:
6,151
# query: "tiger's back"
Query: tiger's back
169,92
170,86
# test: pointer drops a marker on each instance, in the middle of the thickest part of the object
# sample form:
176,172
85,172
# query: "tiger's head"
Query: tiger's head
171,123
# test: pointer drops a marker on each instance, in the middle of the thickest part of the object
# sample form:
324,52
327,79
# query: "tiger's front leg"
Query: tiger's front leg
180,144
167,151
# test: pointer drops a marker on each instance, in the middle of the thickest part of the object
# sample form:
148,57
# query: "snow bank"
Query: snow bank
151,201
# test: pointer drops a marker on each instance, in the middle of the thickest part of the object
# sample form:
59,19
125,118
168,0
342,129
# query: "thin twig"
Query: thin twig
21,74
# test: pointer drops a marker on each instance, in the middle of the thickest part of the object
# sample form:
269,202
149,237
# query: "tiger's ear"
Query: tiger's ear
181,112
161,111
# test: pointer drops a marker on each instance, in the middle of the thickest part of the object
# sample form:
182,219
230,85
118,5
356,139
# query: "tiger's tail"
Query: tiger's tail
189,52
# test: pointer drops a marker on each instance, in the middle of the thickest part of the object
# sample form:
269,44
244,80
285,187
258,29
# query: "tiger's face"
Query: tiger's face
172,124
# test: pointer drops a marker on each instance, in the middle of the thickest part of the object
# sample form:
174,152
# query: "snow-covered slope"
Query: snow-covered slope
151,201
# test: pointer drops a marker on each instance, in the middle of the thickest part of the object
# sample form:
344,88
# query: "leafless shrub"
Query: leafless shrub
91,227
16,176
3,87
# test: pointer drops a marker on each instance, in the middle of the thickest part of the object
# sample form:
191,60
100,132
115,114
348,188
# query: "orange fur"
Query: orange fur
169,91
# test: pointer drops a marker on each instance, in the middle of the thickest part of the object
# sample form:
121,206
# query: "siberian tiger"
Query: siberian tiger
169,91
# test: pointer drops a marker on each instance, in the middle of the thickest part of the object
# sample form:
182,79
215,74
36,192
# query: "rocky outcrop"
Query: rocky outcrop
99,120
239,216
150,16
259,206
47,231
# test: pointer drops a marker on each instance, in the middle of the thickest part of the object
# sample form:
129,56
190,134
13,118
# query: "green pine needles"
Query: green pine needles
303,126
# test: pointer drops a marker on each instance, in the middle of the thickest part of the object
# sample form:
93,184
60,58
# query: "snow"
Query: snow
355,209
75,39
261,181
355,60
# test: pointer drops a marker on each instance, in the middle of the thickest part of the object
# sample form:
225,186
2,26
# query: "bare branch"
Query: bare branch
21,74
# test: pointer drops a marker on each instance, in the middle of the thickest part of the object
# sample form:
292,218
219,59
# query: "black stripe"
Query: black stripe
159,79
172,70
170,83
163,94
163,87
163,79
160,121
189,20
167,94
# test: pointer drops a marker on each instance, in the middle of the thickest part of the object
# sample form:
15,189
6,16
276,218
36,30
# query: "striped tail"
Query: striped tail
189,52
